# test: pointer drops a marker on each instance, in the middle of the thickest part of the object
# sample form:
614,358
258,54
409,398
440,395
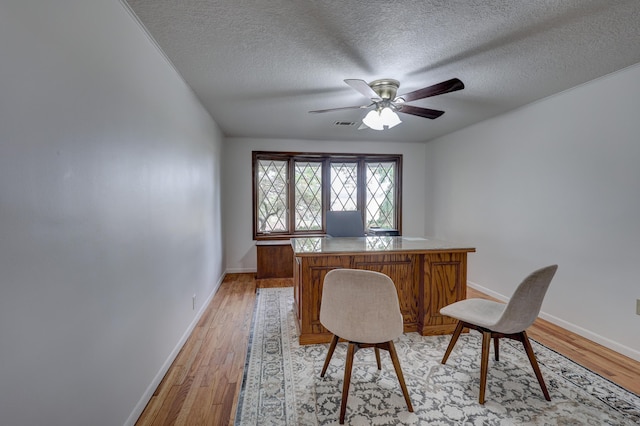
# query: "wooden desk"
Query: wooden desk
428,274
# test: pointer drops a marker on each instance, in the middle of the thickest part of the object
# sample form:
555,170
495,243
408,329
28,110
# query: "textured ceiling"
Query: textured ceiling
258,67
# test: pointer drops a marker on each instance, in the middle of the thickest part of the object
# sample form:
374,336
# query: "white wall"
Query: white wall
557,181
239,245
109,213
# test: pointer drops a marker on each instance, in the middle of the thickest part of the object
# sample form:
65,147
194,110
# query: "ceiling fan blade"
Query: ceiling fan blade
364,88
435,90
339,109
420,112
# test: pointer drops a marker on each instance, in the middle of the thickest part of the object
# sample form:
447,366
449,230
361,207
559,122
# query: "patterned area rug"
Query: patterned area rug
282,383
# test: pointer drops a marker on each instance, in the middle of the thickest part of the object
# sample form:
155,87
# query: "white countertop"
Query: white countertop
327,245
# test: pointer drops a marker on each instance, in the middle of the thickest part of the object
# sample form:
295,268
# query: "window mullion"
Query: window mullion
326,191
362,189
291,191
398,195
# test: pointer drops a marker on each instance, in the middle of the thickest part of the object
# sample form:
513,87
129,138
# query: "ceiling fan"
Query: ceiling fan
385,104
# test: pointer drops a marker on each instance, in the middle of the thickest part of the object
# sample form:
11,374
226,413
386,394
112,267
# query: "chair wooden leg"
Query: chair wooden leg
347,380
377,352
332,347
396,365
484,364
496,348
534,364
453,341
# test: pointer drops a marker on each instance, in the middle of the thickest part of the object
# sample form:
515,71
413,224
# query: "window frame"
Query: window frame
326,159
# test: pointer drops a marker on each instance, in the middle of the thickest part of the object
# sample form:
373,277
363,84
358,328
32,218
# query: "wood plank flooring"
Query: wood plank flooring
203,384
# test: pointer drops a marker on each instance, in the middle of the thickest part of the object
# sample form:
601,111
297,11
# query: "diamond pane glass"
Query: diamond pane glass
380,204
272,196
379,243
344,186
308,196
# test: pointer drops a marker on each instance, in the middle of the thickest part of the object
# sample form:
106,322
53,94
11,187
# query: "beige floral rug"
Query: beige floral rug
282,383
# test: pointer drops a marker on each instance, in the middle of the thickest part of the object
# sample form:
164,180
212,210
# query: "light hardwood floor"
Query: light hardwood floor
203,383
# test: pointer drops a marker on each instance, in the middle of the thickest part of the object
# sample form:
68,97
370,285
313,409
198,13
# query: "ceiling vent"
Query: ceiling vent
345,123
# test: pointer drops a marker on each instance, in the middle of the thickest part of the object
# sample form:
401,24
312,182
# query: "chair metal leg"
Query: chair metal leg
496,348
332,347
484,364
347,380
396,365
534,363
453,341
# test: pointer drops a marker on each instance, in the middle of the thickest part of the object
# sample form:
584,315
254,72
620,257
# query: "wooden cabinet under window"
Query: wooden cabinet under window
275,259
428,274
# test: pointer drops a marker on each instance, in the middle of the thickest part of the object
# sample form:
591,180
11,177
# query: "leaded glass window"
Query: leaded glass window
272,196
344,186
293,191
380,204
308,193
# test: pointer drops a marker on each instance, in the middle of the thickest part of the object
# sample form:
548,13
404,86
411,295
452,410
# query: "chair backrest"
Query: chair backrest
525,303
345,224
360,306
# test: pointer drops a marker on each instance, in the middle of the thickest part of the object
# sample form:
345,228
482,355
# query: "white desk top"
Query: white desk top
328,245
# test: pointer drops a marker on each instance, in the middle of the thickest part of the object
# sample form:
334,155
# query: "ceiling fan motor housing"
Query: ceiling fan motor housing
385,88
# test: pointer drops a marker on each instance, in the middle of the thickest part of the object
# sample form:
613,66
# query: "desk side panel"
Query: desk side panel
445,282
312,273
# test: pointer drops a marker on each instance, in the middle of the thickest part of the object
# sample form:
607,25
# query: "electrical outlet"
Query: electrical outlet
193,302
637,306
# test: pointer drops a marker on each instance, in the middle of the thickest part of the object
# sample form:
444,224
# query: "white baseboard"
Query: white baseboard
241,270
608,343
487,291
146,397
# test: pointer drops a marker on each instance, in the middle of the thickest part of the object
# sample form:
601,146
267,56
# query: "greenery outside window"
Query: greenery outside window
293,191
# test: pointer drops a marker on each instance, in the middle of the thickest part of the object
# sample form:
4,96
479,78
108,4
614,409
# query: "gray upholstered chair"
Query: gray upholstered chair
362,308
496,320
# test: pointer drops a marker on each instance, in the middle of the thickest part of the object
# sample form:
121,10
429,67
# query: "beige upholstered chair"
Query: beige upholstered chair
496,320
361,307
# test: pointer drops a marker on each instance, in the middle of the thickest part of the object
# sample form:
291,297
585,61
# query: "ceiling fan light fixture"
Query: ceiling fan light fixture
379,119
372,120
389,117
